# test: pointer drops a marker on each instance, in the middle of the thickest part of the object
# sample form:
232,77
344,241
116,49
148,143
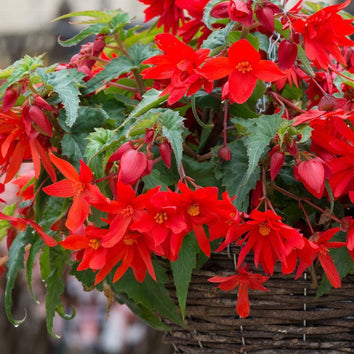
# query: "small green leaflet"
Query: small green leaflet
263,130
207,18
304,60
86,32
66,84
150,100
14,264
112,70
182,271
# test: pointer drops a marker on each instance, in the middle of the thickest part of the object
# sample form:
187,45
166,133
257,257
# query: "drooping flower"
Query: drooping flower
179,63
321,240
202,207
268,237
94,254
324,33
244,67
133,251
18,143
244,280
76,185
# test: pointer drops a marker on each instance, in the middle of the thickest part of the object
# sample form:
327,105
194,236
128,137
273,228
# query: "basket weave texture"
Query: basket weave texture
288,318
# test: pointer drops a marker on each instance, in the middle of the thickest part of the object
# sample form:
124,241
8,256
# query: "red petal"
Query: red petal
243,305
268,71
65,168
63,189
330,269
242,50
202,239
132,165
216,68
75,242
241,85
78,212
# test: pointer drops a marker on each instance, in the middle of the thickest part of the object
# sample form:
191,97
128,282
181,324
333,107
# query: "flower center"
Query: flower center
160,217
128,241
94,243
128,211
193,210
264,229
244,67
79,187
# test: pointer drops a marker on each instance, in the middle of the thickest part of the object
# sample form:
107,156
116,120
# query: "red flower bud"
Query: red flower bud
132,166
36,115
98,44
41,103
240,11
10,97
224,153
330,103
165,152
149,135
220,10
265,14
276,163
312,173
287,53
117,155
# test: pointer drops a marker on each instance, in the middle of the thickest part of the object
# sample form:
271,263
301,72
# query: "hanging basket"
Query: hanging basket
287,318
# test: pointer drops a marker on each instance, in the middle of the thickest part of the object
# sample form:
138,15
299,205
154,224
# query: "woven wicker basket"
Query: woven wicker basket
288,318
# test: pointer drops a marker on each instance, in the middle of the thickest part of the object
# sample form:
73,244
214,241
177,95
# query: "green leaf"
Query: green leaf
75,141
54,285
142,312
36,247
172,129
112,70
14,264
140,52
151,294
262,129
66,84
347,79
86,32
304,60
150,100
100,15
236,35
232,174
182,271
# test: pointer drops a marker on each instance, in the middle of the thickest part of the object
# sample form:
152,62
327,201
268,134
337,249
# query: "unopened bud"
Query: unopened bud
224,153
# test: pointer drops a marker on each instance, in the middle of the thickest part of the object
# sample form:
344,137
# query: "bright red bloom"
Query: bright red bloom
244,280
179,64
94,255
202,207
320,239
122,212
18,143
134,251
77,185
165,215
167,11
324,32
269,238
244,67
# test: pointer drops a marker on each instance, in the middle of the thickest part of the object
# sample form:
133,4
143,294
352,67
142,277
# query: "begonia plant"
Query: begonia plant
226,123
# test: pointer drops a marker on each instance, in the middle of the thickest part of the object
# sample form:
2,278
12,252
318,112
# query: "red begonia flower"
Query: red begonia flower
268,237
179,63
77,185
244,67
244,280
324,32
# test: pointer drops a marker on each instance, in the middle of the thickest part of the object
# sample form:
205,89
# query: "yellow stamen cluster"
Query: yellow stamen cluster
128,211
94,243
160,218
244,67
264,229
193,210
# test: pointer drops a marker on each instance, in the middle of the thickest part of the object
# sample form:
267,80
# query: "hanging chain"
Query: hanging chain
272,56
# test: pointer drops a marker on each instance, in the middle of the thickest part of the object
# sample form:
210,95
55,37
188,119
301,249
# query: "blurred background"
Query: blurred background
26,28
